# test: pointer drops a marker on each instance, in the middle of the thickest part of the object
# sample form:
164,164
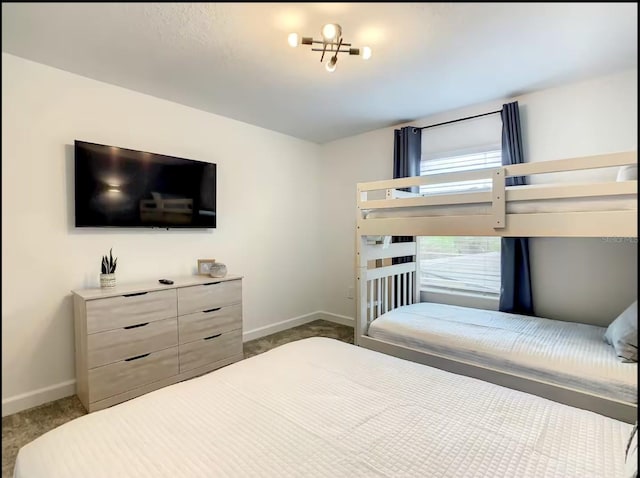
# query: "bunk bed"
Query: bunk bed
391,319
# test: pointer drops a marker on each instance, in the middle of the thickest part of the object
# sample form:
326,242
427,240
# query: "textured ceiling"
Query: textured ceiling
233,59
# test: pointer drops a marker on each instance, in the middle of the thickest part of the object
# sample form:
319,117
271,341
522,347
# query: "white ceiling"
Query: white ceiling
233,59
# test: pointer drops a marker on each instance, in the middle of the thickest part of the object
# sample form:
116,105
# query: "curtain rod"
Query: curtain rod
461,119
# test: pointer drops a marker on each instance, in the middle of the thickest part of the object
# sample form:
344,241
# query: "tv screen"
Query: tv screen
118,187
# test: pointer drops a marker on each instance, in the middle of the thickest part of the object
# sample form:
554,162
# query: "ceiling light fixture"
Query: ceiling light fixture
332,44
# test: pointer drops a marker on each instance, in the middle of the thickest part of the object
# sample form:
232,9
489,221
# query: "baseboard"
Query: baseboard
280,326
337,318
24,401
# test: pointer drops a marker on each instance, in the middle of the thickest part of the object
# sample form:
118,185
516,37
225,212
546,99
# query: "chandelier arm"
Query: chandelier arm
324,49
329,43
338,49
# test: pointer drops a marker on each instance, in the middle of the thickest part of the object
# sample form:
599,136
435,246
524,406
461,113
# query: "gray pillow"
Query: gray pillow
631,455
622,333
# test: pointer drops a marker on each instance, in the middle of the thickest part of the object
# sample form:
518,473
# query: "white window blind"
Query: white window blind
457,163
460,265
457,264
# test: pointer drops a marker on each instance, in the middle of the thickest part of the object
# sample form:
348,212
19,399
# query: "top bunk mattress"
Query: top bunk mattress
323,408
564,353
620,203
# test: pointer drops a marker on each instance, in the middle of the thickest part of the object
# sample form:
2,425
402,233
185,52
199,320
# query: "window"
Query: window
460,270
455,164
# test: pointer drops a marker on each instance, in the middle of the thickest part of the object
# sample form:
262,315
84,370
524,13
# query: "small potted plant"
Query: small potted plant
108,275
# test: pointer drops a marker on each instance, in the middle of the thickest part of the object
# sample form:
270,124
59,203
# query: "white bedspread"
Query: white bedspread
566,353
323,408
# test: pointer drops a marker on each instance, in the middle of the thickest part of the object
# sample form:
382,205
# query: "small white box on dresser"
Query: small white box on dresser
135,338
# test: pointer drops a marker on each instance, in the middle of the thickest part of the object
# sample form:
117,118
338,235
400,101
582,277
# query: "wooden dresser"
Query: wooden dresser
135,338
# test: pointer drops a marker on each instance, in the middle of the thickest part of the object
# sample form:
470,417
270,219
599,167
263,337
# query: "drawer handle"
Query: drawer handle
213,336
136,326
133,295
211,283
211,310
136,357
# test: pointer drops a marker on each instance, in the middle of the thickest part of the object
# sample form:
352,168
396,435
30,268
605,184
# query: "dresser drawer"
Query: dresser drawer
125,310
205,324
125,375
116,345
209,350
201,298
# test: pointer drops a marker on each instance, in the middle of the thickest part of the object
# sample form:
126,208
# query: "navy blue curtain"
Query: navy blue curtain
515,290
407,151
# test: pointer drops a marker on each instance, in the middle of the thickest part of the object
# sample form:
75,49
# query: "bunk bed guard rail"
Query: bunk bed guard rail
498,222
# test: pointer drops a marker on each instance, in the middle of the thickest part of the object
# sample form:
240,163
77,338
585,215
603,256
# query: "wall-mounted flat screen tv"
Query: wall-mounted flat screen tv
118,187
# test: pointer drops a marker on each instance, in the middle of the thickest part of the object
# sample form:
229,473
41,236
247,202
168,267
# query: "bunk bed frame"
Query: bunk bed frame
383,286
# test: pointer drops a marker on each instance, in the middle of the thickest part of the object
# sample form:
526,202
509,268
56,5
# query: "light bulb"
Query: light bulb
331,64
330,32
366,52
293,40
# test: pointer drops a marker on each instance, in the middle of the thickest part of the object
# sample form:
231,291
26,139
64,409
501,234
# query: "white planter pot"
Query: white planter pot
107,280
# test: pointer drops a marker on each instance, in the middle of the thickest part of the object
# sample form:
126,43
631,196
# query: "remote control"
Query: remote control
166,281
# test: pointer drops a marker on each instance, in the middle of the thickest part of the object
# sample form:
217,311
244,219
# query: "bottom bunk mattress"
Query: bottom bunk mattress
564,353
322,408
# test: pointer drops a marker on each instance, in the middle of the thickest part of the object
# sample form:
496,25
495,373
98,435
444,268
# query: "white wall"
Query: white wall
586,279
266,228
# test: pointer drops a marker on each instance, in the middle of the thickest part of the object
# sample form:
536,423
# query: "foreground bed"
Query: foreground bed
319,407
563,353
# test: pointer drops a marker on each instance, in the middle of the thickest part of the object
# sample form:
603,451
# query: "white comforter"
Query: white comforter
565,353
323,408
